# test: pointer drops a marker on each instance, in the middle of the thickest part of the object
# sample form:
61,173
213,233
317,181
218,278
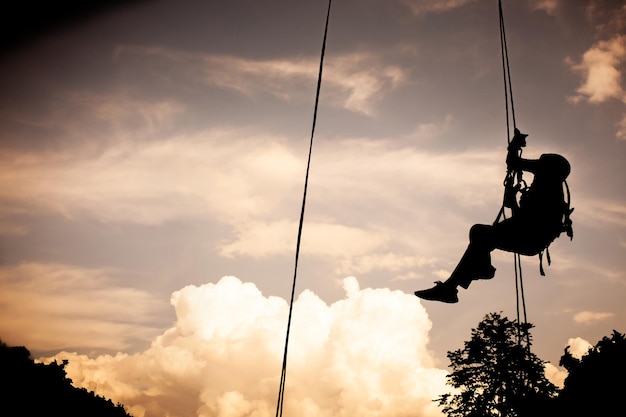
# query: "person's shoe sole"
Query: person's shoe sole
423,294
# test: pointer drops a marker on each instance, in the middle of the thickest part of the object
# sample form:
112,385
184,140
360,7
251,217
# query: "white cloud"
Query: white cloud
555,374
364,355
421,7
10,228
389,261
442,274
253,183
354,178
601,67
352,81
320,239
548,6
621,129
219,173
610,212
578,347
600,211
358,80
48,306
94,120
589,317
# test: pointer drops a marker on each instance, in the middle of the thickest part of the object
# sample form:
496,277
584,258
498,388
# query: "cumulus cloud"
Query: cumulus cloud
352,81
366,354
589,317
578,347
47,306
555,374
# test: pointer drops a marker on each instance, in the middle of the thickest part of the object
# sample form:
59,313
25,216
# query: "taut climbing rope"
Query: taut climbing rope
283,375
512,177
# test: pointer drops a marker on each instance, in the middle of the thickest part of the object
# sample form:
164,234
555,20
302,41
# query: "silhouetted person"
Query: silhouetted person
535,222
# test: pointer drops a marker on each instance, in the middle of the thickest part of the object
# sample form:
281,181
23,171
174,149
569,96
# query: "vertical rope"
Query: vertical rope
507,73
508,97
283,375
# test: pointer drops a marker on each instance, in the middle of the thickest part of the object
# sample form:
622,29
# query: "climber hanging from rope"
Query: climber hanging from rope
539,214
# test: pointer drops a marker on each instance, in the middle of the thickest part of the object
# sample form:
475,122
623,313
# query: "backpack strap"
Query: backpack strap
547,251
567,221
566,226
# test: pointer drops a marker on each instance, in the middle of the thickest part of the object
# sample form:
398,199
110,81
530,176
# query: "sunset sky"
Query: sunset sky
152,163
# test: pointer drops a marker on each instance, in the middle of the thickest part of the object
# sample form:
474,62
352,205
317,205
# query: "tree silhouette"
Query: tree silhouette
595,383
495,374
36,389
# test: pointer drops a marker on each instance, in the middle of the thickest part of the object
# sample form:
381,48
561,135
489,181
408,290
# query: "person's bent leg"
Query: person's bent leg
474,264
476,261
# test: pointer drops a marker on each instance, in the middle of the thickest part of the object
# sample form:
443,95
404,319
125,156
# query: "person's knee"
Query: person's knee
479,231
482,236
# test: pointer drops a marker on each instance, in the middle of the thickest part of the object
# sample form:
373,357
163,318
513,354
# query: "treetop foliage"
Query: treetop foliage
495,374
31,389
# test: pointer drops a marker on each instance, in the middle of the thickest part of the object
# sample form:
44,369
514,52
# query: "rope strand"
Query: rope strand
520,298
283,375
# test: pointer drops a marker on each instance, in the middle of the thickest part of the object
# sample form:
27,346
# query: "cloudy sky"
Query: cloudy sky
152,165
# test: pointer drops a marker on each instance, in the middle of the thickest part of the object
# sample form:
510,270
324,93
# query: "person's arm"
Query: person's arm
514,161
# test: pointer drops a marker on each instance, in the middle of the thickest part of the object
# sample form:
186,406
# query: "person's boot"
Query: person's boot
440,292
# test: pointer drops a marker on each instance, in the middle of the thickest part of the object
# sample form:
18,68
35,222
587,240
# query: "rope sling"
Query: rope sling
283,374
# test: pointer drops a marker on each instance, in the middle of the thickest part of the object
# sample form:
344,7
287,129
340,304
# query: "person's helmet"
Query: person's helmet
555,165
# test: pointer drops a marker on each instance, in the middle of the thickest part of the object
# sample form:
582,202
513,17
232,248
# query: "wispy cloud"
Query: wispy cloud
603,211
367,354
217,173
389,261
354,81
589,317
421,7
253,183
548,6
621,129
53,305
321,239
90,121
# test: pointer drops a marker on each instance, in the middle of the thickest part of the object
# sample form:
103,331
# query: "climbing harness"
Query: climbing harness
283,375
